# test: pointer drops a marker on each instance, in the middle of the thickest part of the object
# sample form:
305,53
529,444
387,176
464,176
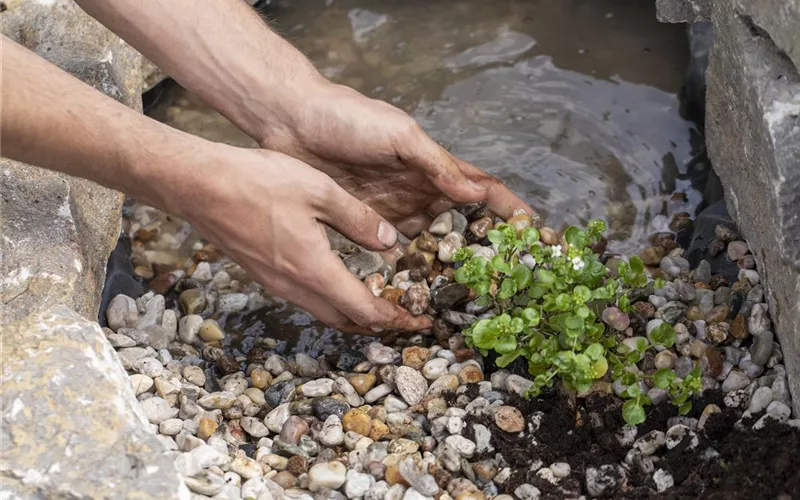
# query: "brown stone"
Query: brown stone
297,465
470,374
652,256
293,429
717,315
357,421
416,356
520,222
378,430
548,236
645,309
260,378
441,475
714,361
743,286
694,313
509,419
393,476
718,332
485,470
739,327
480,227
392,294
206,427
362,383
425,242
464,353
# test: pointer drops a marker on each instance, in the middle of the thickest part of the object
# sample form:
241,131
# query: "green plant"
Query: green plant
549,303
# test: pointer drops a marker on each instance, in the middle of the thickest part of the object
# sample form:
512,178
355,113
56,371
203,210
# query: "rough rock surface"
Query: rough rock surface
72,427
753,134
779,18
57,230
683,11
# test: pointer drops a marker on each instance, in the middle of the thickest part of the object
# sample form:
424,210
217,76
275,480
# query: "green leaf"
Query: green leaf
633,391
573,322
633,412
563,302
582,294
637,266
594,351
576,238
545,276
537,290
522,275
462,275
529,236
583,311
624,303
506,344
508,288
462,254
663,377
500,264
530,316
508,358
684,408
663,334
495,236
659,283
482,288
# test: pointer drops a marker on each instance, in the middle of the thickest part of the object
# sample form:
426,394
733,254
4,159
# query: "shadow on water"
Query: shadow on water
572,104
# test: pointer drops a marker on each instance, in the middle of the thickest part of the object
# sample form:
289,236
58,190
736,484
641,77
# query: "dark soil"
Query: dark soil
762,464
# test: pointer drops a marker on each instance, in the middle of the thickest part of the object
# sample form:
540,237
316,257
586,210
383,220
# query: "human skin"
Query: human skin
265,208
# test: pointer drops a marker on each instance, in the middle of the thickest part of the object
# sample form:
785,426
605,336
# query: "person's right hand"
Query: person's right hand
267,210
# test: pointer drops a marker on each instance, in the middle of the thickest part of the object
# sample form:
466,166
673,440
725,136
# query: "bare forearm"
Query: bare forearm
221,50
55,121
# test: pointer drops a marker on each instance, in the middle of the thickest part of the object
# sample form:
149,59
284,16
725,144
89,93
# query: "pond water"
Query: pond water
573,104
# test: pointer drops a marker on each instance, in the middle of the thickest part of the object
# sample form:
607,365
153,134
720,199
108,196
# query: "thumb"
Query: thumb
417,151
356,220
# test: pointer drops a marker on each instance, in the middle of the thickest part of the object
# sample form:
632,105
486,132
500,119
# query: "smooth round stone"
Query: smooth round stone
316,388
664,360
737,250
293,429
518,385
122,313
210,331
509,419
736,380
441,225
449,245
170,426
702,274
326,475
205,483
673,266
435,368
677,434
254,427
363,263
750,275
459,222
760,399
462,445
759,322
194,375
362,383
277,418
356,421
325,407
779,409
193,300
380,354
357,484
526,491
377,393
616,319
762,348
332,433
671,311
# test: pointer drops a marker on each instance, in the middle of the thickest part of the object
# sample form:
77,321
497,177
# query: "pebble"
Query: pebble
663,479
410,384
760,399
416,299
462,445
316,388
157,410
325,407
277,417
737,250
326,475
332,433
762,348
218,400
193,300
206,428
122,313
210,331
356,421
527,491
205,483
518,385
148,366
780,409
362,383
357,484
509,419
140,383
246,467
616,319
449,245
604,481
254,427
293,430
380,354
363,263
377,393
232,303
678,434
459,222
736,380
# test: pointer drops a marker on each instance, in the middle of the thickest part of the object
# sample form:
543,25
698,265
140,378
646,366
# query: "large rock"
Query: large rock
71,425
780,19
683,11
58,231
753,136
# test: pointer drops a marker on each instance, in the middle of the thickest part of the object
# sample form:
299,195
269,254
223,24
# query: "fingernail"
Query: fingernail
475,185
387,235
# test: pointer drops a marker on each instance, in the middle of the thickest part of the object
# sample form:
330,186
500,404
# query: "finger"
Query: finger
500,200
355,219
349,295
317,306
414,225
419,152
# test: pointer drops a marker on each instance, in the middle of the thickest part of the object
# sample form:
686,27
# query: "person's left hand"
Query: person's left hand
382,156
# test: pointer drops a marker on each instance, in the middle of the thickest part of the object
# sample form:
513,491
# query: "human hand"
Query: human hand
381,156
267,210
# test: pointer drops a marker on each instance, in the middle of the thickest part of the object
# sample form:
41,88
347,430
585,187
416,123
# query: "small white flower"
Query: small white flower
556,250
577,263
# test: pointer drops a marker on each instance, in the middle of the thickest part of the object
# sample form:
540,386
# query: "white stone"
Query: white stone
254,427
246,467
435,368
357,484
170,426
332,433
326,475
410,384
141,383
462,445
663,480
317,388
377,393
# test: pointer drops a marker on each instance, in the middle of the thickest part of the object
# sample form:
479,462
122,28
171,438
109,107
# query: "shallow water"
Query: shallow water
571,103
